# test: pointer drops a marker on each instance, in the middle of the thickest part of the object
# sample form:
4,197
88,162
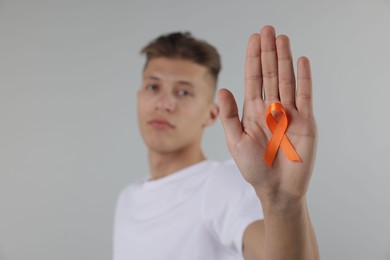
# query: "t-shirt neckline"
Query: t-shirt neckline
173,177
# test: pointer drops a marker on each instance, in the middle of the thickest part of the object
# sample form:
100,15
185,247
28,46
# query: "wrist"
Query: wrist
281,203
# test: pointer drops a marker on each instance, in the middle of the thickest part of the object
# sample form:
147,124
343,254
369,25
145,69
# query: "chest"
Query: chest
177,233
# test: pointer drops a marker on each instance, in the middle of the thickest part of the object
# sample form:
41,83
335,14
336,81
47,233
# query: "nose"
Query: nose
165,103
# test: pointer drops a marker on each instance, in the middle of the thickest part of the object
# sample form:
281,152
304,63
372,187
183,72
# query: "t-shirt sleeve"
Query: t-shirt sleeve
230,204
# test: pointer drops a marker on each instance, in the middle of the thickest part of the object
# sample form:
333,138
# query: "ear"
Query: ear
212,116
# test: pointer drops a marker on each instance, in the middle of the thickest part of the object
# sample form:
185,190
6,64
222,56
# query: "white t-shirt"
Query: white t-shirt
197,213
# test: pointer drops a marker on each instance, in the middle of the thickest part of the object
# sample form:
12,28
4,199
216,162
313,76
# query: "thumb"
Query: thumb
229,116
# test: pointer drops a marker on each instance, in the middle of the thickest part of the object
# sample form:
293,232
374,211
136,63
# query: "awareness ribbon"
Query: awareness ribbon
279,137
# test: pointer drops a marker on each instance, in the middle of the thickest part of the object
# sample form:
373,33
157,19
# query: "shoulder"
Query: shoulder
128,191
225,186
229,205
227,175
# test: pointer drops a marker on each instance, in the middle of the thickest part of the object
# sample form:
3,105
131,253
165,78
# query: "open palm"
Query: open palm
269,70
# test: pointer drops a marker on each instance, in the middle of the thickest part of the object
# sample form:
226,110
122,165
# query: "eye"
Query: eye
151,87
183,92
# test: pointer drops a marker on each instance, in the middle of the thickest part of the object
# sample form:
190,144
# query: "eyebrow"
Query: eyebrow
180,82
187,83
152,77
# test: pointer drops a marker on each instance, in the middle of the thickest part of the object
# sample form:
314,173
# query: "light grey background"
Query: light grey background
69,71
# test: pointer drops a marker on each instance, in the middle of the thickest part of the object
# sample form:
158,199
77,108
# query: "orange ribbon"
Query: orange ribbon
278,138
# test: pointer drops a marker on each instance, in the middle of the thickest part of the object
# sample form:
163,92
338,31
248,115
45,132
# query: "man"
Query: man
194,208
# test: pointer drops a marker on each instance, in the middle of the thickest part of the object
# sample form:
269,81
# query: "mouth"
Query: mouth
160,124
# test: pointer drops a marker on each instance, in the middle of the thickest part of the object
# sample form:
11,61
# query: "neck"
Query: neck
164,164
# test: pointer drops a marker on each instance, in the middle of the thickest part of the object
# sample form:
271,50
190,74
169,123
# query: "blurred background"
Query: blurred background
69,142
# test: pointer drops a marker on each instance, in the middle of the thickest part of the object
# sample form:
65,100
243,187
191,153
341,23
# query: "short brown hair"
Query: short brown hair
184,46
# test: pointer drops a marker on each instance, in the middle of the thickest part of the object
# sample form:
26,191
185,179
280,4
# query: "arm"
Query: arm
286,232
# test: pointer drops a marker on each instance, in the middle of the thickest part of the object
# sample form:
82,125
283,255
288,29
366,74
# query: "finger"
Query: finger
229,117
305,93
253,79
269,64
286,77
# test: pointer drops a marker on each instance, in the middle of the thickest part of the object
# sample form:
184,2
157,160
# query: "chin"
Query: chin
159,147
161,150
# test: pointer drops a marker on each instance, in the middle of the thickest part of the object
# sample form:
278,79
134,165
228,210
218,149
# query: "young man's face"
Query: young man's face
175,103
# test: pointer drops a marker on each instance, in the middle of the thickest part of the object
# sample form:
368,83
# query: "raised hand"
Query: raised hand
270,78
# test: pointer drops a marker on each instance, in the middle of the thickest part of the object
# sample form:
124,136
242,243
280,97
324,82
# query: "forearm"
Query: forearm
288,230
